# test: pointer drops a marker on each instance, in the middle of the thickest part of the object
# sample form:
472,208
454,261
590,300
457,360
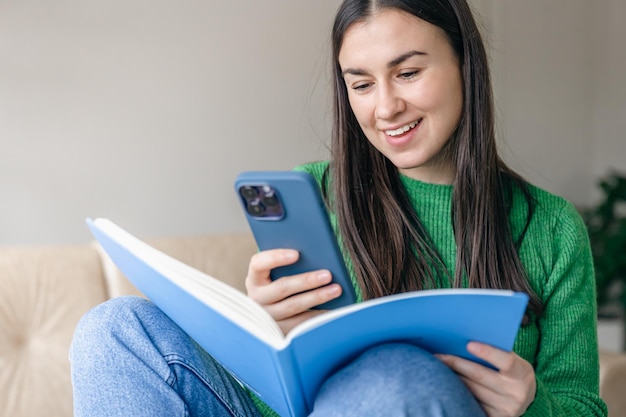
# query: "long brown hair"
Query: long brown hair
372,206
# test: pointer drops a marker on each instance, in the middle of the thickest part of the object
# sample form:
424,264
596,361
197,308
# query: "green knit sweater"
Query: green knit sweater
562,344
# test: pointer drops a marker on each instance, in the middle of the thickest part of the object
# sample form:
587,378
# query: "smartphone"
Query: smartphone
285,210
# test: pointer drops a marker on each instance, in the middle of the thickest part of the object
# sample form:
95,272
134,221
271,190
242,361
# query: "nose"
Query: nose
388,103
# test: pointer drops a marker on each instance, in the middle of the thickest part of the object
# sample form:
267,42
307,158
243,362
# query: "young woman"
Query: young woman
420,199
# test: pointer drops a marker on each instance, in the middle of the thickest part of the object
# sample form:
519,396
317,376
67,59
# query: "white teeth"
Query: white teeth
402,129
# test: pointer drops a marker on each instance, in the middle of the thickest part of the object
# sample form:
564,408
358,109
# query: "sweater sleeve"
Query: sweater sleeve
567,366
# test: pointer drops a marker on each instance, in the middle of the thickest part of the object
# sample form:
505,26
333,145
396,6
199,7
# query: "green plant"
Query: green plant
606,224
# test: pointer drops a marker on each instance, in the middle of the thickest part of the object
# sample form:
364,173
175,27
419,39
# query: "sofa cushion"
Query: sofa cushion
44,293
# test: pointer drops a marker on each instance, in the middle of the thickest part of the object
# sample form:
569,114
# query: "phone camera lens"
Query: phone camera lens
248,192
256,208
270,200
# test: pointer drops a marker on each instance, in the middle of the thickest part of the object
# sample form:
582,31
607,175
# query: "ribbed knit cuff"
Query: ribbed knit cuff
542,405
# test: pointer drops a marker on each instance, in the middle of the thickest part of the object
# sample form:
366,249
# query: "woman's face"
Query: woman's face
405,89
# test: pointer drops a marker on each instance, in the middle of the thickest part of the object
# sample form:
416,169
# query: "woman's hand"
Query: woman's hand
504,393
289,299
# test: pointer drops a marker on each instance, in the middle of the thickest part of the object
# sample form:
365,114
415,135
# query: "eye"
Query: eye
361,87
408,75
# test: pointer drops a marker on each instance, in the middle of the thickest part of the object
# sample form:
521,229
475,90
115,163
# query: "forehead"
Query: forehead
388,33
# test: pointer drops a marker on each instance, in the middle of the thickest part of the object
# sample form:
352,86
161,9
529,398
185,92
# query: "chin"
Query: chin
404,164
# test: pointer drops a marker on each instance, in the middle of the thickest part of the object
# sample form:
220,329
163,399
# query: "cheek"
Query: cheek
441,91
439,97
455,111
361,110
450,100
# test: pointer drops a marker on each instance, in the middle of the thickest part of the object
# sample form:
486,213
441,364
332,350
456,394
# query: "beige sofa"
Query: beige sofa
45,290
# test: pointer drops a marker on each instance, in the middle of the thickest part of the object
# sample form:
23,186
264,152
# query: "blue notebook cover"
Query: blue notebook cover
286,372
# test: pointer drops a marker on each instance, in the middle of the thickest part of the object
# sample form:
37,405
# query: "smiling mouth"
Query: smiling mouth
402,130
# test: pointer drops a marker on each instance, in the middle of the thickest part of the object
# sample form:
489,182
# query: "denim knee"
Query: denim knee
129,358
395,379
398,368
102,321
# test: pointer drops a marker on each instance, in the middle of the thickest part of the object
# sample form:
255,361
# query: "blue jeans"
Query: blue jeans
129,359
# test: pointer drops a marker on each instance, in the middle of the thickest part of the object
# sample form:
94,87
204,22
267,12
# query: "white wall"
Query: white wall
544,91
145,111
561,97
609,86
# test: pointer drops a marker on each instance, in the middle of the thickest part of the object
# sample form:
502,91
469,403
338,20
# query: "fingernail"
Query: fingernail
333,290
290,255
323,277
473,347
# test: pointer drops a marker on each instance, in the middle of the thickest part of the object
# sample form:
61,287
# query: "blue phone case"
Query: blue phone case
285,210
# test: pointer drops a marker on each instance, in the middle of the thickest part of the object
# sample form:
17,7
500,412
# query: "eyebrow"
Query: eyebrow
390,64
